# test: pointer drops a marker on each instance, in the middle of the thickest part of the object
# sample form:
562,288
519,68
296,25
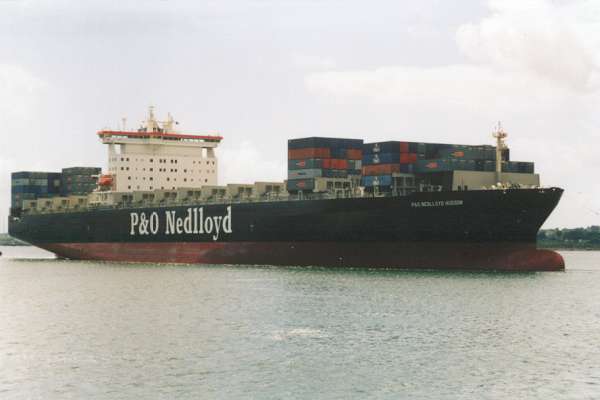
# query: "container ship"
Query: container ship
346,203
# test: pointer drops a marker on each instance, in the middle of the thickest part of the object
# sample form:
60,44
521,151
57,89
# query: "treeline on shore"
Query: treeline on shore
575,238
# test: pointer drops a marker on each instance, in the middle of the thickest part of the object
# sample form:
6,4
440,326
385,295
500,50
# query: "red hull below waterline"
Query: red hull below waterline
412,255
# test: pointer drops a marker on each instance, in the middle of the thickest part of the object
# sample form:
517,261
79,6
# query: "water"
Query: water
72,330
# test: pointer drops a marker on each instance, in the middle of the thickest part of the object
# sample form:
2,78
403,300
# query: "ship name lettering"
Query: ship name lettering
154,223
143,224
436,203
194,222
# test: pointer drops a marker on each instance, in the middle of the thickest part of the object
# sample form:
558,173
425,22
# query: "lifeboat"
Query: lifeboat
105,180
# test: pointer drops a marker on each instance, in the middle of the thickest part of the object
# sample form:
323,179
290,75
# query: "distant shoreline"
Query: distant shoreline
570,239
569,248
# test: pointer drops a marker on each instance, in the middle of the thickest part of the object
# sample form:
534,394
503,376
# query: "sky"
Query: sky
260,72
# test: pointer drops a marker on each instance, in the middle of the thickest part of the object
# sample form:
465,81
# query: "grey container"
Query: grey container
304,173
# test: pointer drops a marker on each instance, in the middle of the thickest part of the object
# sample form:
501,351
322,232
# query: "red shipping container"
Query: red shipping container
380,169
310,152
404,147
408,158
354,154
339,164
335,163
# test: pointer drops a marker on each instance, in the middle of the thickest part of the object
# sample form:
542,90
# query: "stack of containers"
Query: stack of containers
382,159
320,157
520,167
79,180
30,185
457,157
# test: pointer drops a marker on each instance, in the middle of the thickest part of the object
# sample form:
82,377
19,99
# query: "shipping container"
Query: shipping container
467,153
407,168
380,169
414,147
381,158
376,180
339,153
315,142
510,167
408,158
335,173
311,152
79,178
54,182
445,165
35,189
381,147
304,173
334,163
354,154
526,167
29,182
294,185
81,171
355,165
309,163
518,167
30,174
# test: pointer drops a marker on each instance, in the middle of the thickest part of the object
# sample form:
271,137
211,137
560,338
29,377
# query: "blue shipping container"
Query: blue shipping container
304,173
376,180
407,168
381,158
355,164
381,147
35,189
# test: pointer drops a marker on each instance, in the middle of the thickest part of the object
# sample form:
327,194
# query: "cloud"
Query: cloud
554,42
19,91
533,63
527,48
449,88
308,61
246,163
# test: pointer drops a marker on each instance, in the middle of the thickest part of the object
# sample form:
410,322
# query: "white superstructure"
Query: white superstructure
156,157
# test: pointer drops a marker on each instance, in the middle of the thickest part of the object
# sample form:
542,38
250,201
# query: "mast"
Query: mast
500,135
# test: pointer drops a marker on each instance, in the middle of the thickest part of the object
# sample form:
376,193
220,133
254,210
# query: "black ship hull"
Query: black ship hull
490,229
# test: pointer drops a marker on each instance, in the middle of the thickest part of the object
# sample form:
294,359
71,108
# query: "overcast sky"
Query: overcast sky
260,72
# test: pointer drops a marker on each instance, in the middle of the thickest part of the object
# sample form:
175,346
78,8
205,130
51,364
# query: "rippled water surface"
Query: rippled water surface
72,330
